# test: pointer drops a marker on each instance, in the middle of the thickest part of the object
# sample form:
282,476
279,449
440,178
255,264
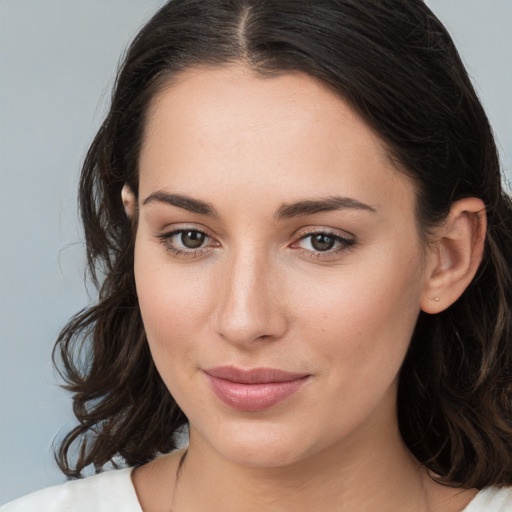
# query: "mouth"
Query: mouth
255,389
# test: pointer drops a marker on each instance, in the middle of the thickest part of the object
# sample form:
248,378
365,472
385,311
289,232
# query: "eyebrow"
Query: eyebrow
286,211
310,207
182,201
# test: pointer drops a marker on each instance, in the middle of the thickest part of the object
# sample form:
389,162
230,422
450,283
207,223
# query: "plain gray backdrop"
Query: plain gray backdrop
57,63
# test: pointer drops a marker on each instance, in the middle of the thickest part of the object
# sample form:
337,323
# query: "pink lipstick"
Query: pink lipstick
253,390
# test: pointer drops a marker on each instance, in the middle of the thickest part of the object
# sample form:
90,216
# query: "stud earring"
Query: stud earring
437,299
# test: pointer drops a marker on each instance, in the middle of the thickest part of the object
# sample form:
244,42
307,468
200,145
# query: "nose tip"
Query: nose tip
244,333
249,309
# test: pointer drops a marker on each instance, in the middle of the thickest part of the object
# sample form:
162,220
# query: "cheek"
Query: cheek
360,333
363,321
173,308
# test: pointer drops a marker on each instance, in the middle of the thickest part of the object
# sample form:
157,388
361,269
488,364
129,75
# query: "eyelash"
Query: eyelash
345,244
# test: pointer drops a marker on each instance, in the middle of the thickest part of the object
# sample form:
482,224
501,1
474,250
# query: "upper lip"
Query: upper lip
253,375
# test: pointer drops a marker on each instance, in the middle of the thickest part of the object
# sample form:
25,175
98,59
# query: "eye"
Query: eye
191,239
323,244
186,242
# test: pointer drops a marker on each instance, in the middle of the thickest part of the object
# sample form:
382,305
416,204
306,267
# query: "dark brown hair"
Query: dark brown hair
394,62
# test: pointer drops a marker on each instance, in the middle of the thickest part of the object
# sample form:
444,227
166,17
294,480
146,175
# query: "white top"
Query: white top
114,491
111,491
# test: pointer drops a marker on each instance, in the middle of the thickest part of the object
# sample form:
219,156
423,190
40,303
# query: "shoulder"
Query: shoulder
112,490
492,499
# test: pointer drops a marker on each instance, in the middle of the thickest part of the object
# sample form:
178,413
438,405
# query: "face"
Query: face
278,265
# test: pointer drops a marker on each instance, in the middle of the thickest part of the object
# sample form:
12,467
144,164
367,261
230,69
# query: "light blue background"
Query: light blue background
57,63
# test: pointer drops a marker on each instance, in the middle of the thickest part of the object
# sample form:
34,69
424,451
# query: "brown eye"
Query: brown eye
188,243
321,242
192,239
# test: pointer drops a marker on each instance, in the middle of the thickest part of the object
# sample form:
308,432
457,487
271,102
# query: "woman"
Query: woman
305,253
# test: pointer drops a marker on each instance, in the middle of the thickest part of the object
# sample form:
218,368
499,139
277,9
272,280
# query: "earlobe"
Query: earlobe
455,255
129,201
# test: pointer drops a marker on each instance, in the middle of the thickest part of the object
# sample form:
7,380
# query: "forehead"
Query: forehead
218,129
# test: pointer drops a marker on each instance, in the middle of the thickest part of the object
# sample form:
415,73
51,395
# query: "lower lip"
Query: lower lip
254,397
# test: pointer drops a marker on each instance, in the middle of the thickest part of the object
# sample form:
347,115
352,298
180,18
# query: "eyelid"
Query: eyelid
183,226
312,230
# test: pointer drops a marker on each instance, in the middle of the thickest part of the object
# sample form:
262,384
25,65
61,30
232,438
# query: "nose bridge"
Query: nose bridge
248,307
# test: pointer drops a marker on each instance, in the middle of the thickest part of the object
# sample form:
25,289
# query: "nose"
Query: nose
249,306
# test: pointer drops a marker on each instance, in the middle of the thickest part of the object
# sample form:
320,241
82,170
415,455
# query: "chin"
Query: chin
262,455
259,445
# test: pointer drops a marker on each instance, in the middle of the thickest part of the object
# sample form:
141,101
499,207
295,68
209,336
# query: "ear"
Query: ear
129,201
455,255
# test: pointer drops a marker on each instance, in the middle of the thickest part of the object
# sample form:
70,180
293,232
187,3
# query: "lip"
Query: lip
255,389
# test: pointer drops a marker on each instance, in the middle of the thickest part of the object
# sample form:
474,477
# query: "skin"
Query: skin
258,293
